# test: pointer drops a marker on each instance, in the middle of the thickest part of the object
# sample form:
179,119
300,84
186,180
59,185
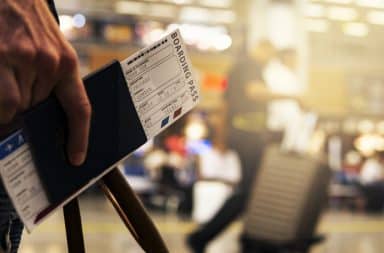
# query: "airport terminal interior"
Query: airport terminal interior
286,142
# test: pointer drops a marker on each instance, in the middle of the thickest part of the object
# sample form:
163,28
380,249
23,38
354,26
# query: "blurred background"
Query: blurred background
285,150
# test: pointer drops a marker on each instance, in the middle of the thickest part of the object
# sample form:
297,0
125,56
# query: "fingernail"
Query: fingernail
77,159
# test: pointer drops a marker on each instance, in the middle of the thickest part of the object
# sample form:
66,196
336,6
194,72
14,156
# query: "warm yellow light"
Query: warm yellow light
162,10
181,1
371,3
223,16
216,3
196,130
66,23
342,13
130,7
380,145
195,14
153,35
366,126
314,10
222,42
317,25
356,29
350,126
376,17
353,157
368,144
339,1
380,127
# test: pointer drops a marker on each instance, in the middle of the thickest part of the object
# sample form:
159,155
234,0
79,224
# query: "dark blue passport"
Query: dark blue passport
115,132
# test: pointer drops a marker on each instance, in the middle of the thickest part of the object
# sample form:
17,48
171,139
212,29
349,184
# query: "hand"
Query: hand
35,60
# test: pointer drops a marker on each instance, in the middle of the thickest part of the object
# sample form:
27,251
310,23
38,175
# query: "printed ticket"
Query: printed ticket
161,84
21,180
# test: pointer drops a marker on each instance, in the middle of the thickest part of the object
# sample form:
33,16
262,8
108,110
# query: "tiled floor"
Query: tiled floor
346,233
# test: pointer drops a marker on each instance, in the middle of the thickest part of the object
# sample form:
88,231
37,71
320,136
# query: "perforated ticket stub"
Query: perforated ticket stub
161,83
162,87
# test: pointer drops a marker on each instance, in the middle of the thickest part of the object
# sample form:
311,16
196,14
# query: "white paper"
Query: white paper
161,83
21,180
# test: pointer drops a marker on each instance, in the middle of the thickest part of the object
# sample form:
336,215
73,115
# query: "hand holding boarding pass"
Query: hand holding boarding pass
132,102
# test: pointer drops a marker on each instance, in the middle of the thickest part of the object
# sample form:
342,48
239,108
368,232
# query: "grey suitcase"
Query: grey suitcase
287,198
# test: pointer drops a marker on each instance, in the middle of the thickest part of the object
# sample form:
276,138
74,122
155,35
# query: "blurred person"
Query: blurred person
282,95
36,61
349,174
245,113
372,169
173,167
243,116
221,163
250,91
372,183
277,95
352,164
283,87
219,172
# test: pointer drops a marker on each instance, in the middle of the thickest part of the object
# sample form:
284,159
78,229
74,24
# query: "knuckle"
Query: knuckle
28,54
10,104
68,61
6,117
48,58
21,52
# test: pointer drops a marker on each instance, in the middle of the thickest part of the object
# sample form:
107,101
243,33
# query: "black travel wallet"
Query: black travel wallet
115,132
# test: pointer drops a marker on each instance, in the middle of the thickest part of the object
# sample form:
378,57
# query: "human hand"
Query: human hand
36,60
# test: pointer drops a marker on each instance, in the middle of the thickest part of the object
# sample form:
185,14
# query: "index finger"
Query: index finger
72,95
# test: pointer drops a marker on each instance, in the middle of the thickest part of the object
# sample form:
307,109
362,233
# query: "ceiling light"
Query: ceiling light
66,23
366,126
196,130
79,20
216,3
339,1
380,127
317,25
223,16
376,17
371,3
342,13
153,35
368,143
355,29
162,10
222,42
180,1
130,7
195,14
314,10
